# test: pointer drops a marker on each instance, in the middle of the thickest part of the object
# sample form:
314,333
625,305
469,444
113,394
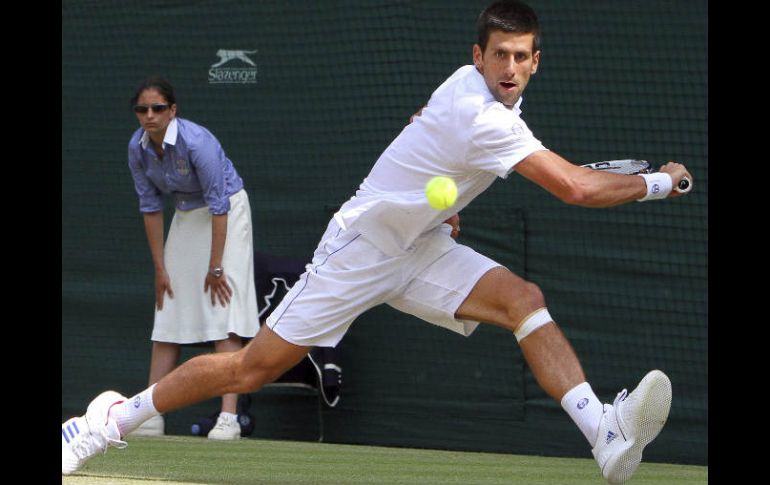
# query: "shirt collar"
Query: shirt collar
170,138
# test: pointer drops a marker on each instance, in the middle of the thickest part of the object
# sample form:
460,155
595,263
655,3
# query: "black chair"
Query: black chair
320,371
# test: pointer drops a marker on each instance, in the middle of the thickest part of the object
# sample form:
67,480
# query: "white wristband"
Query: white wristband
659,185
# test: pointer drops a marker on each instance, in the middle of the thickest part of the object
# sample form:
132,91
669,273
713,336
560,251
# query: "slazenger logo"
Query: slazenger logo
234,73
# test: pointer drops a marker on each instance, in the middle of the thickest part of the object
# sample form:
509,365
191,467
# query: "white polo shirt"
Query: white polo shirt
462,133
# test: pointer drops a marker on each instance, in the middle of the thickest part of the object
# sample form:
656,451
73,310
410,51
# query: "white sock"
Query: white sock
229,416
585,409
131,413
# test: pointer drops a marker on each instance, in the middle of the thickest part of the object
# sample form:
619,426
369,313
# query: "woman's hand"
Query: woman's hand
219,288
162,286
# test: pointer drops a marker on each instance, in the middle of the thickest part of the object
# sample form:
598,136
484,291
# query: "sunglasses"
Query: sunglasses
157,108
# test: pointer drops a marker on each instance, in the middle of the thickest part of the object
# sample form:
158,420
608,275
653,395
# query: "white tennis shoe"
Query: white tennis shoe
85,436
630,424
227,428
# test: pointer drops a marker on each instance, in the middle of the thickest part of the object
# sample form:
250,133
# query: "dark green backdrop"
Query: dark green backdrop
333,83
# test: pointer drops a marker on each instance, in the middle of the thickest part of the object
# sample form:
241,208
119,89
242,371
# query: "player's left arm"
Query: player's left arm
454,222
582,186
418,113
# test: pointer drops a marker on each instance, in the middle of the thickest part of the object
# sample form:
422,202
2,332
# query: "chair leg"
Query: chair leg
320,417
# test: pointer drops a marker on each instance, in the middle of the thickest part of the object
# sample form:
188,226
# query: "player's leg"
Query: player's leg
453,286
502,298
111,416
262,361
461,287
617,432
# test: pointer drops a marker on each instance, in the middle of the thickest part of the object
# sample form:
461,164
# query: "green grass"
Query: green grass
176,460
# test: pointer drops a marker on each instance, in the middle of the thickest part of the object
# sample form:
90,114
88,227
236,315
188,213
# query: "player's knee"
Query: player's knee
252,374
534,296
528,298
250,382
249,375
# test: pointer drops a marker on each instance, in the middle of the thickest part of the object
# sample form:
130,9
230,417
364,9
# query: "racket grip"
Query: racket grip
683,186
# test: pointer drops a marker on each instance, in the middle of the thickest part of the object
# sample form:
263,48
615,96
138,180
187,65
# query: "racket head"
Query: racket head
627,166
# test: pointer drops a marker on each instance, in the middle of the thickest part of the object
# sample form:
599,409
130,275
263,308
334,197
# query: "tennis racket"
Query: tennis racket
632,167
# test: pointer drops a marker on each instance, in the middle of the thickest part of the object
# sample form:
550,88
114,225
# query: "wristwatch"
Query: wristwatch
217,272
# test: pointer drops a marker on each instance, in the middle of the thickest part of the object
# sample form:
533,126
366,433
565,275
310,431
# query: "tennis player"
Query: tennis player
387,245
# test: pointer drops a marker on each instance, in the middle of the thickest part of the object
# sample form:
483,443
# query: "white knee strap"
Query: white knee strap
534,320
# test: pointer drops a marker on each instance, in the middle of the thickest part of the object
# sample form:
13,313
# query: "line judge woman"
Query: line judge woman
204,276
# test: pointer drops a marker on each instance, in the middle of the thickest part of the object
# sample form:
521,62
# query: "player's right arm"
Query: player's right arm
584,187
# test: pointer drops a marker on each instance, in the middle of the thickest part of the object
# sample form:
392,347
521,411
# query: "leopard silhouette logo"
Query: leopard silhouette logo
226,55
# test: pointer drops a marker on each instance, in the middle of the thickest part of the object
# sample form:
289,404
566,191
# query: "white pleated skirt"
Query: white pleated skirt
189,317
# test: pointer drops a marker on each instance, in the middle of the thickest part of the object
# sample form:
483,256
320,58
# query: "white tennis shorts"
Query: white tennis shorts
349,275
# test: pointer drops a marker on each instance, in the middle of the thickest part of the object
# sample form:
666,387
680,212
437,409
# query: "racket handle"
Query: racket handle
683,186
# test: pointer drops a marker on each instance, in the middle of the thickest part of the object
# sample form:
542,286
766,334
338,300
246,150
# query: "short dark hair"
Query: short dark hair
157,83
508,16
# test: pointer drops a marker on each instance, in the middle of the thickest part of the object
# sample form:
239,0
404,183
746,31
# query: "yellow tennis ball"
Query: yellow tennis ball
441,192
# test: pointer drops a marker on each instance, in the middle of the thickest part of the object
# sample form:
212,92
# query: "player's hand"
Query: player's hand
219,289
162,285
454,221
677,171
